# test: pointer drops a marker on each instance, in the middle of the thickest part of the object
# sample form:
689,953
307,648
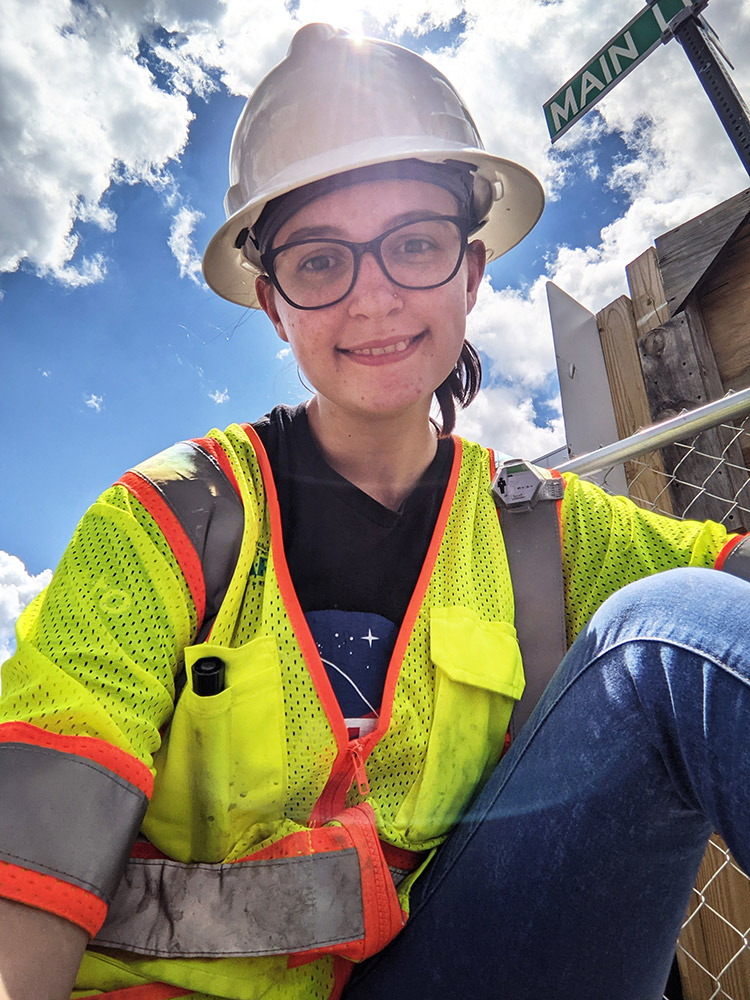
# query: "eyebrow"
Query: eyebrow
335,232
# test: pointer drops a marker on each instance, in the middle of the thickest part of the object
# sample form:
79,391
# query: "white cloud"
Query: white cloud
17,588
219,396
232,41
283,354
360,17
95,402
512,330
80,112
182,246
97,116
678,163
504,418
511,326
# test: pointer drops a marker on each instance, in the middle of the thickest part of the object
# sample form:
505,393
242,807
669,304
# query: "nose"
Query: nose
374,295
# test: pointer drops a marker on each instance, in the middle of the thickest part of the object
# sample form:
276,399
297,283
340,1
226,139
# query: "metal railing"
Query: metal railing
713,952
723,466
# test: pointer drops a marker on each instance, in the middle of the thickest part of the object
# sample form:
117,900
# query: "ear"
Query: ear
476,258
267,297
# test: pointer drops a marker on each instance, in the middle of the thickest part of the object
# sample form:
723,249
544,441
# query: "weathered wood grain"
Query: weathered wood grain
647,479
724,296
676,379
687,252
647,291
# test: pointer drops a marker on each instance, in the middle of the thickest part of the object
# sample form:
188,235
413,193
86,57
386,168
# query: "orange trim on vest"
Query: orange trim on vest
726,549
53,895
383,916
174,533
151,991
297,618
342,973
123,764
415,603
350,765
402,858
214,449
349,762
365,873
319,840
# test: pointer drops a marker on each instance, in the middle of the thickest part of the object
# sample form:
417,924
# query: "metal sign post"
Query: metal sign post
657,23
695,36
612,63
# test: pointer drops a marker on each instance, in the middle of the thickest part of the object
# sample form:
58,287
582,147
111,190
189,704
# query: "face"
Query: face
383,349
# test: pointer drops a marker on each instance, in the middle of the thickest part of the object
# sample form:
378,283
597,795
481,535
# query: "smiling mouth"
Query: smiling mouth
397,348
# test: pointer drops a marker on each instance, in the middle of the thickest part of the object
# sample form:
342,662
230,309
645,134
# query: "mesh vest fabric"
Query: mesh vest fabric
609,542
99,650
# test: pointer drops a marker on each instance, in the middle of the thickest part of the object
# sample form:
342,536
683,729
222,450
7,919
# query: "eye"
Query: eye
419,242
320,261
415,244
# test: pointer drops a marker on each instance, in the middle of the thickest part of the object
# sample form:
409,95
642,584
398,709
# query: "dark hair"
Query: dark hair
460,387
464,381
456,177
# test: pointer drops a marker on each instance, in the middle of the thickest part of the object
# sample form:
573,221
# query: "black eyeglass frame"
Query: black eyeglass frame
358,250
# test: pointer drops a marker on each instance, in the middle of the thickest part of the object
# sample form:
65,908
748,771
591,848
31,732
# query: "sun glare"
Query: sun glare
340,13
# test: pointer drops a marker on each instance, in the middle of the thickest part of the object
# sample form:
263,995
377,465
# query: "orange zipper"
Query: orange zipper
358,762
333,798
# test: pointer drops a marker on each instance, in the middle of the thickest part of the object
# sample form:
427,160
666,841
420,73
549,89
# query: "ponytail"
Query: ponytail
460,387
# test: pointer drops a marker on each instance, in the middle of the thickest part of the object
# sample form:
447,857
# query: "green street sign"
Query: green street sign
611,63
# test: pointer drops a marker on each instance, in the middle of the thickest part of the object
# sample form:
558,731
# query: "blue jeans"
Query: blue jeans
570,874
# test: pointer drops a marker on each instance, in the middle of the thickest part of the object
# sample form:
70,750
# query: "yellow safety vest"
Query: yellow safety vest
262,774
265,770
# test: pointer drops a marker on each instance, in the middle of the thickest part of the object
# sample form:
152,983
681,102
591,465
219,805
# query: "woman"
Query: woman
285,653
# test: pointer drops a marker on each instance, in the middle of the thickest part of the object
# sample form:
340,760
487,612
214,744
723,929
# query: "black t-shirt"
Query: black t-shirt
353,562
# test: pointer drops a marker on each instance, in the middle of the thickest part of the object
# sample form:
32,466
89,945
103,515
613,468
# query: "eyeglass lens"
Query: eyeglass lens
423,254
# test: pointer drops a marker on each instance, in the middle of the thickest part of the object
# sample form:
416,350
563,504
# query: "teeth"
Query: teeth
390,349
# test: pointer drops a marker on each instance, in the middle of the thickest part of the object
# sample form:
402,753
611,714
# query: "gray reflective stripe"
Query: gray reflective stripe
274,907
532,542
207,506
42,790
738,561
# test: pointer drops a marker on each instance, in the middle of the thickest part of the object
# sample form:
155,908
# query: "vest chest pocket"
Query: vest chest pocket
221,769
478,677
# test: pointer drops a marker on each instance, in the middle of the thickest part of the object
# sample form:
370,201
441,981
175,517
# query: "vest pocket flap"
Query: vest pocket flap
484,654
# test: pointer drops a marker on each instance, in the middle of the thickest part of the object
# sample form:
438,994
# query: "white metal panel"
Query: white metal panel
586,398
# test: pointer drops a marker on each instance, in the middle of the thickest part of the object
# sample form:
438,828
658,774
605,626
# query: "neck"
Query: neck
384,456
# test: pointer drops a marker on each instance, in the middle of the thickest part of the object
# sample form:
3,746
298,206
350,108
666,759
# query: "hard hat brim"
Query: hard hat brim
518,200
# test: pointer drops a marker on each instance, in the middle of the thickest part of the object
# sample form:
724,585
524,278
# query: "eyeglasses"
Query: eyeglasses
315,273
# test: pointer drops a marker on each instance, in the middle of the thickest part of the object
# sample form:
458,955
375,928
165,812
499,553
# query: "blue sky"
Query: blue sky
102,376
109,353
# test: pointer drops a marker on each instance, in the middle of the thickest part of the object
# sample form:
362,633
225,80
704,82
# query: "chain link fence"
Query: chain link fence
700,471
733,505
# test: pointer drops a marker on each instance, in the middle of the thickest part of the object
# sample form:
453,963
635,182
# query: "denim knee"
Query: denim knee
699,609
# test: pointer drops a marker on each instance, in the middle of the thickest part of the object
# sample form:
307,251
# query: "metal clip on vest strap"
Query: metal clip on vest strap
526,505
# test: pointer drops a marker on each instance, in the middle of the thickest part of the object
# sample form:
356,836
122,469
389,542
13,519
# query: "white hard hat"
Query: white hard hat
336,103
